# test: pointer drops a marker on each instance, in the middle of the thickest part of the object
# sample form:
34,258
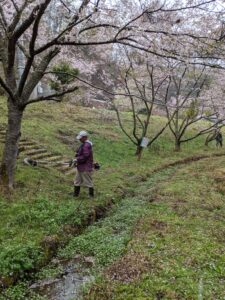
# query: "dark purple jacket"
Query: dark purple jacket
84,157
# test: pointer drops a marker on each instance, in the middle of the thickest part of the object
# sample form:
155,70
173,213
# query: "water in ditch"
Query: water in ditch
68,284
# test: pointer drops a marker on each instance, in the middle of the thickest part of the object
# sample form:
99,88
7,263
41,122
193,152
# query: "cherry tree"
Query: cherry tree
190,101
141,82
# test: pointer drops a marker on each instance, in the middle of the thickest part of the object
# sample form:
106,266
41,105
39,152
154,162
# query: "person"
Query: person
219,138
215,135
84,164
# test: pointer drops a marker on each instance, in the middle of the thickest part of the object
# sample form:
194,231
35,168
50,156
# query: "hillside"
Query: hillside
153,231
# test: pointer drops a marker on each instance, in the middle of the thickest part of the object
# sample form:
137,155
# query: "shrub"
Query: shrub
64,74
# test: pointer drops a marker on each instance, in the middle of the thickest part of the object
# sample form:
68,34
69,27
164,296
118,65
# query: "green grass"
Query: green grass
41,206
181,239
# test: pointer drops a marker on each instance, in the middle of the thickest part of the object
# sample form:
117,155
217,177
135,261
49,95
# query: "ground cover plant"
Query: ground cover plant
177,248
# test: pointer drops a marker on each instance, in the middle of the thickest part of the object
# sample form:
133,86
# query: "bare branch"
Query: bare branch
83,5
189,7
15,6
24,26
56,40
17,16
3,18
128,23
7,89
36,76
103,25
121,126
53,97
205,131
31,56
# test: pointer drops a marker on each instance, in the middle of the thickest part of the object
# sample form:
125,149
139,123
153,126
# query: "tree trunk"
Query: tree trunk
10,152
177,145
138,152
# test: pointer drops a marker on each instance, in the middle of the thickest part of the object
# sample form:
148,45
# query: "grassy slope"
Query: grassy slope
177,249
40,206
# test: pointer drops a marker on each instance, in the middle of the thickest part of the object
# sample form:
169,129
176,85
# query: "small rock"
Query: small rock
151,245
90,261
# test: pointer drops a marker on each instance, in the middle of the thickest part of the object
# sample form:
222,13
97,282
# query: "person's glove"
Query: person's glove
73,163
97,166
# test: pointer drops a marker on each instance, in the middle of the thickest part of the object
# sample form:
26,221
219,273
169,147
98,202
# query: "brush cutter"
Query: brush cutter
31,162
71,163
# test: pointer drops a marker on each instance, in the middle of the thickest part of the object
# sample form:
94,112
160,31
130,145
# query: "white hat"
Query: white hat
81,134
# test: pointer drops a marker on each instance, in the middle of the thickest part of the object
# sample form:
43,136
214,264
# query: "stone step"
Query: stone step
36,151
27,148
27,143
43,156
54,158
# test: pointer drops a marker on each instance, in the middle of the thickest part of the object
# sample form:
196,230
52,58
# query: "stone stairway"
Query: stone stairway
33,150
